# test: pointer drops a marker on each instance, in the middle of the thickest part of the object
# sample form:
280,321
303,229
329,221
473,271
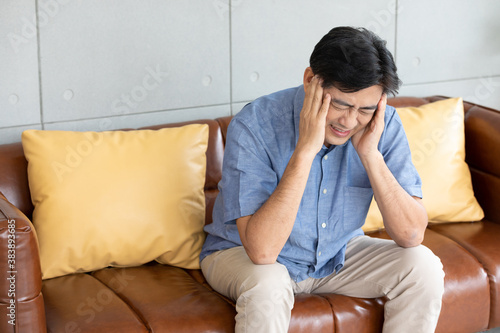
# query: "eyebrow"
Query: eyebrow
343,103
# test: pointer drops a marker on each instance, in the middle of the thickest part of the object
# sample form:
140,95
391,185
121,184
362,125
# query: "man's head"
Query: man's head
356,69
351,59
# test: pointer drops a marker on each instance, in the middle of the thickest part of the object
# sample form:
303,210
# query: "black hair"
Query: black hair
351,59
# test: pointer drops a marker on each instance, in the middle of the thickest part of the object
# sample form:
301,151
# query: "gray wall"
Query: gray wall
108,64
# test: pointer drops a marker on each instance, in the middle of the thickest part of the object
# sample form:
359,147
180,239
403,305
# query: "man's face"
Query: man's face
349,113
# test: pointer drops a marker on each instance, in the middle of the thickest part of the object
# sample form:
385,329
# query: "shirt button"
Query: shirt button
323,225
324,191
319,253
326,157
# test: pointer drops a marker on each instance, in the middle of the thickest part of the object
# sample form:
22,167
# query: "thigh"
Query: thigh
231,272
374,267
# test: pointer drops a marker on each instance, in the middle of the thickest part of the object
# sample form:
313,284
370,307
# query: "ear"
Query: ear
308,75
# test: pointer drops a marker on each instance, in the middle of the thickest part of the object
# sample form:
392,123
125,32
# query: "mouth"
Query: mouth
339,131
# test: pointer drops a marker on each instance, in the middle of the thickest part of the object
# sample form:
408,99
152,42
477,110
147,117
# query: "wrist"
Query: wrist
305,152
372,159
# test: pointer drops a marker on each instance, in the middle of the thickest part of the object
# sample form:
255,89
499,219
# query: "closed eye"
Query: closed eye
339,107
364,112
361,111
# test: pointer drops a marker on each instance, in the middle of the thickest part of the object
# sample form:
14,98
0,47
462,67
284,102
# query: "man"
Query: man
300,169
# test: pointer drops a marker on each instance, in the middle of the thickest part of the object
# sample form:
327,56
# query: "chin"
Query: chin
336,141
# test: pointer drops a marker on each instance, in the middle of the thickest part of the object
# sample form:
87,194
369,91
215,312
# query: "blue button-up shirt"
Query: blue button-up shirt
260,141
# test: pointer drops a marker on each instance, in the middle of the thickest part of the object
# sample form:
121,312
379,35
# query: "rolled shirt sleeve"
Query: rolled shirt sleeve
397,155
248,178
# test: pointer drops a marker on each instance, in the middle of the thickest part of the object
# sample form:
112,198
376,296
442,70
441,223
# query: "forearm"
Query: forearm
265,233
405,218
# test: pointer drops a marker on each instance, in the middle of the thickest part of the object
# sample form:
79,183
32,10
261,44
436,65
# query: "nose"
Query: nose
349,119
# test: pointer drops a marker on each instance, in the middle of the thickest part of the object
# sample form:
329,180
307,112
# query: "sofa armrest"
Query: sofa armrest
482,145
21,302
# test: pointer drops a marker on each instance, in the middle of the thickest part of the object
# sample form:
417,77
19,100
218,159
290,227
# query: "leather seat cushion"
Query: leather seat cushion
481,240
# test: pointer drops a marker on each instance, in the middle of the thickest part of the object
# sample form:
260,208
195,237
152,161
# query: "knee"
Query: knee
424,268
266,295
271,282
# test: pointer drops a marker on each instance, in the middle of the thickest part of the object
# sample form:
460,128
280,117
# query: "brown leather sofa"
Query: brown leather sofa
160,298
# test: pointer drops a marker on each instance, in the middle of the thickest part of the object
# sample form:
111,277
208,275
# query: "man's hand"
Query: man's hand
313,118
366,141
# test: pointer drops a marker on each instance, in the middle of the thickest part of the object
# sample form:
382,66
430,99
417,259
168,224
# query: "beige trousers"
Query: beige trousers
411,278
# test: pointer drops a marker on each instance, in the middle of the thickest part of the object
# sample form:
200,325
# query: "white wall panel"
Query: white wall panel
141,120
271,41
13,134
104,58
448,39
19,90
484,91
124,63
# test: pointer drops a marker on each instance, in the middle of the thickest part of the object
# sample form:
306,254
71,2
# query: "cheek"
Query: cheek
364,122
331,117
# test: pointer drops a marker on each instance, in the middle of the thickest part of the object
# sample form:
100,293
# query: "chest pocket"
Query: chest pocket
356,203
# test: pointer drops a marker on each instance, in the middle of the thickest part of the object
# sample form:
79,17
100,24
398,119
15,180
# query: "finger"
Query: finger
317,100
381,108
380,114
326,105
310,93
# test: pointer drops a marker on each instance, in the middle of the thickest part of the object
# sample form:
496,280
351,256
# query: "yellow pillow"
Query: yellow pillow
436,136
119,198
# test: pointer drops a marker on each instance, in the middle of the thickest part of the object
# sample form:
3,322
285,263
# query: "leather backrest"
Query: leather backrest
480,156
14,177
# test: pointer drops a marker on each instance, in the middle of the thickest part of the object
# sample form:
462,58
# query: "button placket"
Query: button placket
322,198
